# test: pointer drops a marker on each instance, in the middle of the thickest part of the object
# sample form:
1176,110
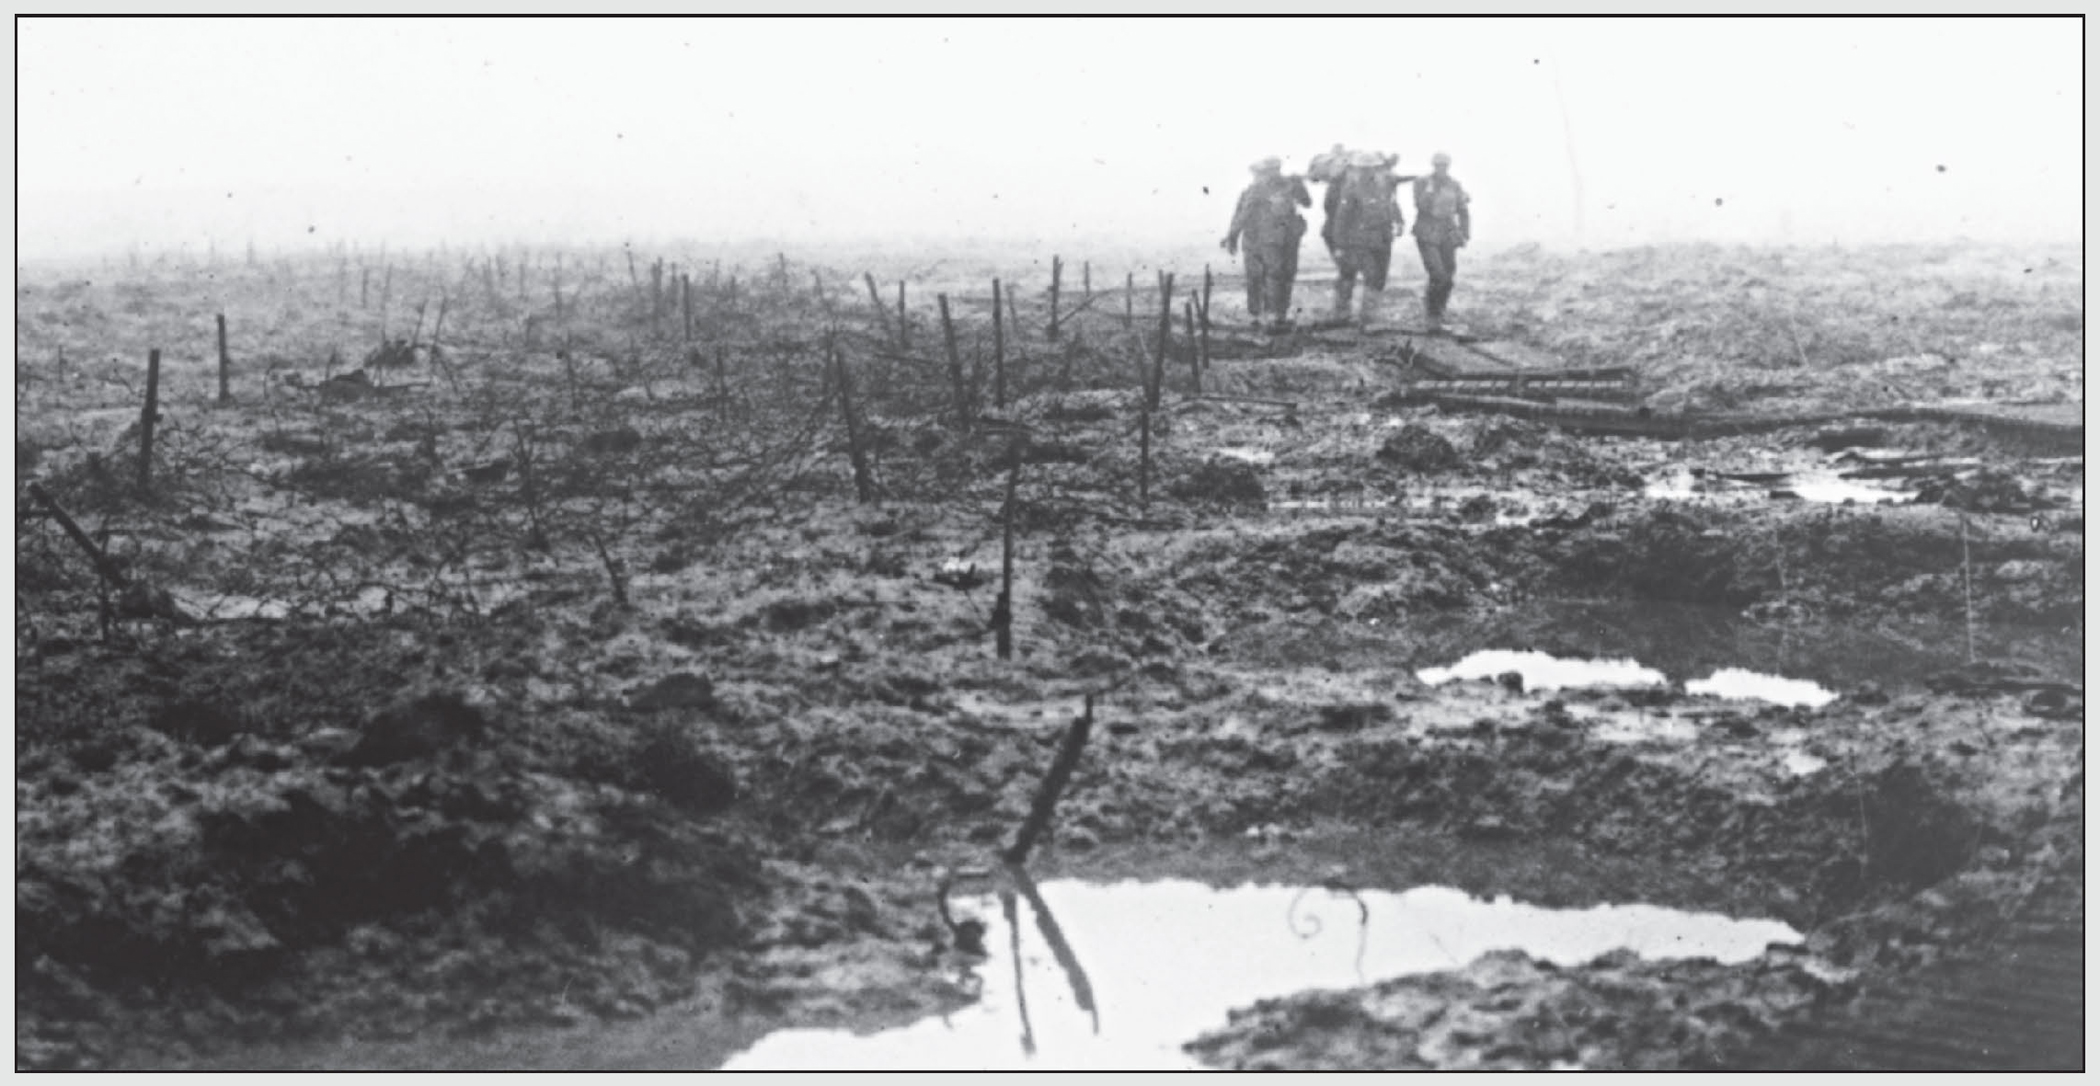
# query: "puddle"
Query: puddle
1702,644
1817,485
1544,672
1086,975
1734,682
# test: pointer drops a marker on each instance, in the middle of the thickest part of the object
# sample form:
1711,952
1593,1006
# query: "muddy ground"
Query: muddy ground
559,703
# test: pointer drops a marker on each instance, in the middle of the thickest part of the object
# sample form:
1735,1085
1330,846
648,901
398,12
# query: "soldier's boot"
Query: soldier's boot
1343,288
1374,308
1431,319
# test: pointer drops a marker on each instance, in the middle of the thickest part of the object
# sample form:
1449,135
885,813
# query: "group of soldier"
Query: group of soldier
1362,219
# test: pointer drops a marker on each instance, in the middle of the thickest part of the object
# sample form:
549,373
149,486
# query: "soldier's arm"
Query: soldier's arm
1300,193
1465,215
1239,219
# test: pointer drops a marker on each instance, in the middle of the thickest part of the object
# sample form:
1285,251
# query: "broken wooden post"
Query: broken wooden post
882,314
998,349
104,565
685,305
903,321
1053,786
722,377
438,329
656,294
1166,336
1086,279
1203,321
225,365
1130,301
863,477
364,287
955,370
1003,607
1144,453
1188,329
148,417
1057,272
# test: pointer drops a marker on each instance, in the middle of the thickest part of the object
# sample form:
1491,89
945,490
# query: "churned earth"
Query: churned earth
643,797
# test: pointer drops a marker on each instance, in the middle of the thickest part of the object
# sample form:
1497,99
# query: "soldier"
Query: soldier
1268,217
1443,225
1327,169
1364,220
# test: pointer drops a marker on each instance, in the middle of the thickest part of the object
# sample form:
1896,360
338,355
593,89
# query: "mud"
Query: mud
710,733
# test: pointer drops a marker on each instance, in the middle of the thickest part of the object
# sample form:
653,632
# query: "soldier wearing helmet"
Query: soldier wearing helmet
1267,219
1363,219
1443,225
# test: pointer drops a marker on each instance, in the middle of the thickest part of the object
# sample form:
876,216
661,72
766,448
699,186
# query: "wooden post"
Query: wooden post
722,377
863,477
998,349
386,295
1003,607
1144,452
1130,302
147,418
903,321
104,565
225,365
1188,329
1053,785
1203,321
656,294
1166,336
1057,272
882,314
685,304
364,288
955,370
438,329
1086,279
816,284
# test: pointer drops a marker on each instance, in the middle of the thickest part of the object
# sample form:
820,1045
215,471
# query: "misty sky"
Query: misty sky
289,133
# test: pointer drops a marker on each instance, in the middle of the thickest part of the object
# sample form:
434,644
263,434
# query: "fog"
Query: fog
198,135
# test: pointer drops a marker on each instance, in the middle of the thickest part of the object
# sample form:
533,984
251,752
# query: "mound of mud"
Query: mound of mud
1506,1011
1417,448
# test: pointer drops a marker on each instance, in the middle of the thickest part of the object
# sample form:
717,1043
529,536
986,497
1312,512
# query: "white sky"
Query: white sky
171,133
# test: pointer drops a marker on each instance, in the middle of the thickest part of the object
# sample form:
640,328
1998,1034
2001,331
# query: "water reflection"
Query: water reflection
1170,958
